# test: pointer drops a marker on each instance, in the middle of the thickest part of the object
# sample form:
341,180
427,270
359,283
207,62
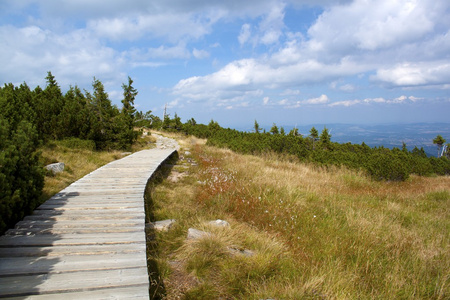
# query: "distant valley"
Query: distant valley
387,135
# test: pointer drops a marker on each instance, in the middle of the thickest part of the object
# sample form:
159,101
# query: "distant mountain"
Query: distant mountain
387,135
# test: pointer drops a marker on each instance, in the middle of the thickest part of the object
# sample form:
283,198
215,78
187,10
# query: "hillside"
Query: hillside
297,230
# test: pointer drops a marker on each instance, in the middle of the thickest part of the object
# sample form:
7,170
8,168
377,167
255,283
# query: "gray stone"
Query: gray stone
194,234
163,225
187,153
220,223
244,252
55,168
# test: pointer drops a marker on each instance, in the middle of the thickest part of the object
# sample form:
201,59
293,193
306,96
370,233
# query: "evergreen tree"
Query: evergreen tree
274,129
314,133
294,131
21,174
126,133
325,137
49,107
75,115
439,141
256,127
101,131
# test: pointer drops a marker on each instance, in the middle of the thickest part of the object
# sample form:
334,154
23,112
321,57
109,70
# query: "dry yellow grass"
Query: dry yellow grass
79,162
343,235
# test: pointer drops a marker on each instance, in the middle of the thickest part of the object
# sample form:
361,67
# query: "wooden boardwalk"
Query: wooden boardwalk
86,242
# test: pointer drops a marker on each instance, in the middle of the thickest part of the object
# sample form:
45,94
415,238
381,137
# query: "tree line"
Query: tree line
30,118
380,163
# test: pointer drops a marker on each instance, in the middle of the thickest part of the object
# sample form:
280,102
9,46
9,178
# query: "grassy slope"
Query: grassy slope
79,161
316,233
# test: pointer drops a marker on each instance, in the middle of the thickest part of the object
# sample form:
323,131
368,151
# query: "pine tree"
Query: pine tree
101,130
256,127
126,133
325,137
439,141
274,129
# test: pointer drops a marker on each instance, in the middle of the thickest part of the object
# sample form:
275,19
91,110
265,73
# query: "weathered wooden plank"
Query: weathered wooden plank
86,242
127,293
69,263
92,206
77,224
73,281
73,230
71,239
137,248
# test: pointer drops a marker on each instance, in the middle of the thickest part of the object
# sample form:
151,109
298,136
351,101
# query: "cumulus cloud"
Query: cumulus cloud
415,74
372,25
171,27
28,53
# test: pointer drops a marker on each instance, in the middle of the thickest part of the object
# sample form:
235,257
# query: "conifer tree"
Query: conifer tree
274,129
102,114
256,127
126,134
325,137
439,141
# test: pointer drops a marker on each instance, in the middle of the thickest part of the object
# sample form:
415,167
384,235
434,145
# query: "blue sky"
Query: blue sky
284,62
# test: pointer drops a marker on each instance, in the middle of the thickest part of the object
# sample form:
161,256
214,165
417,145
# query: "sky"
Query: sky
285,62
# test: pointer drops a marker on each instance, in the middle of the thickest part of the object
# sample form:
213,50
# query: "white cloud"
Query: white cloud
172,27
346,103
74,58
415,74
319,100
200,54
374,24
289,92
347,88
266,100
245,34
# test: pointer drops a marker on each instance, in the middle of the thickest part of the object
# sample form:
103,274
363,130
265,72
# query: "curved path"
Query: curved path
86,242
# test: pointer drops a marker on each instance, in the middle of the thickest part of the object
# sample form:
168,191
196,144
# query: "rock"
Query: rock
244,252
55,168
187,153
194,234
163,225
219,223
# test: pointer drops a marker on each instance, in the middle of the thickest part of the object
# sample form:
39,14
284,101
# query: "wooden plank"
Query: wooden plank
73,230
73,281
137,248
77,224
127,293
69,263
86,242
71,239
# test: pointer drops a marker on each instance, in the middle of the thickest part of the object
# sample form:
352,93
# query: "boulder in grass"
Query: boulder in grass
163,225
194,234
220,223
55,168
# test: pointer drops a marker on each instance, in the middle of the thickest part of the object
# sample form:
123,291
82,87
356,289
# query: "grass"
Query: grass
315,233
80,159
